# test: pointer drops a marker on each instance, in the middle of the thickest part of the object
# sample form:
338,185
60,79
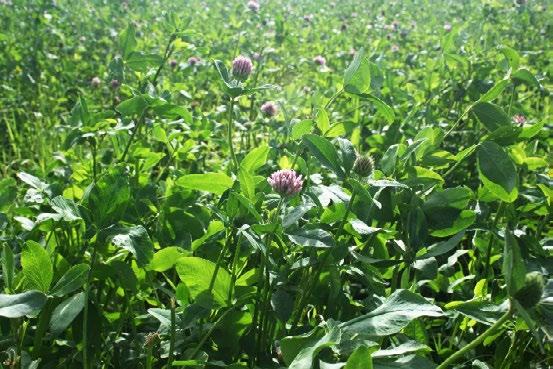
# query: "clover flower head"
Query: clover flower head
115,84
95,82
286,182
519,119
319,60
194,60
253,6
447,27
269,108
242,67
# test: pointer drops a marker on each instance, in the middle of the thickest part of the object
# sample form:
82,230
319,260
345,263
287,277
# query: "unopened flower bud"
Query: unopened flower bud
115,84
530,294
242,68
363,166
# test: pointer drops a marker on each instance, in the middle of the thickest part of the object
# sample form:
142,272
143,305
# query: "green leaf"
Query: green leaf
66,312
108,198
525,76
8,267
301,351
393,315
36,267
495,91
347,154
66,208
197,274
255,158
73,279
134,239
357,76
322,120
17,306
127,41
312,238
491,116
384,109
134,105
514,270
511,55
360,359
324,151
8,192
301,128
141,62
497,171
166,258
216,183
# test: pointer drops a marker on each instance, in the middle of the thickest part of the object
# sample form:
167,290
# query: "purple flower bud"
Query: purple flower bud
253,6
173,63
194,60
256,56
286,182
115,84
319,60
242,68
269,108
447,27
395,48
95,82
519,119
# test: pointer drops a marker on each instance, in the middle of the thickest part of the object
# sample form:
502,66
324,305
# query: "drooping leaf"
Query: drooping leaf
393,315
312,238
73,279
497,171
357,76
17,306
66,312
134,239
324,151
491,115
514,270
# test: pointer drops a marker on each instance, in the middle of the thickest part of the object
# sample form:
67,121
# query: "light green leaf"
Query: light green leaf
36,267
166,258
216,183
197,274
357,76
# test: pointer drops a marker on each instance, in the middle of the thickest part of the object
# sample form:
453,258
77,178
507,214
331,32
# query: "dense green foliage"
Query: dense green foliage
142,224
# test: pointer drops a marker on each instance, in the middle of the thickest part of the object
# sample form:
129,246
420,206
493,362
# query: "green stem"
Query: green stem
490,244
173,335
209,332
477,341
230,128
296,316
85,312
